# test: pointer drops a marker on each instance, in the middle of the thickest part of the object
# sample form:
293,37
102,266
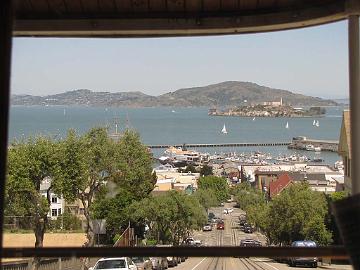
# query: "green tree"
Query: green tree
170,217
298,213
133,166
207,198
206,170
67,221
217,184
87,165
330,218
188,168
247,196
132,180
30,163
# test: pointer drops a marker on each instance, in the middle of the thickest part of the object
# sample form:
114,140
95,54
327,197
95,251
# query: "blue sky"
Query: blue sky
311,61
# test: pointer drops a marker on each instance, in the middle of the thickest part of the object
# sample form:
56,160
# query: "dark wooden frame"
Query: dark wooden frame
82,28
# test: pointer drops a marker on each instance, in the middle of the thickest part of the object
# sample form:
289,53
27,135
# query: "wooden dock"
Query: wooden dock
208,145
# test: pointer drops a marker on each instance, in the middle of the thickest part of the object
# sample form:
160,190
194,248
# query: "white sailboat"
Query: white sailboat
287,125
254,119
224,131
317,123
314,122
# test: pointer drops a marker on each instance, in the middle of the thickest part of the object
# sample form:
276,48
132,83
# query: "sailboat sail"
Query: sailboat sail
224,131
317,124
314,122
287,125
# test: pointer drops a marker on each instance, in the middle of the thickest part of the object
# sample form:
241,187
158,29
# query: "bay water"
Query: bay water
169,125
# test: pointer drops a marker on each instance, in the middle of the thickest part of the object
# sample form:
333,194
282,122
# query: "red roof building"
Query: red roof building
279,185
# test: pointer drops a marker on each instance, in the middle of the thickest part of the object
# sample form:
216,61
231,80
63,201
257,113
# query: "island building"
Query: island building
344,148
273,103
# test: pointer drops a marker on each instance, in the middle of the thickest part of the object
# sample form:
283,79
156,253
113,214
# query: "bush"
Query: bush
66,221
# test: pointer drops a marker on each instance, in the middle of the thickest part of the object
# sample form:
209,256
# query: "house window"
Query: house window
54,199
59,211
54,212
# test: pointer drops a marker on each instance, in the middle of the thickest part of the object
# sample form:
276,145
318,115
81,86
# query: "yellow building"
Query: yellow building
345,149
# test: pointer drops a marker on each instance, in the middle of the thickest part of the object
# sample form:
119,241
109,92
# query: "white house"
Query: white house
57,203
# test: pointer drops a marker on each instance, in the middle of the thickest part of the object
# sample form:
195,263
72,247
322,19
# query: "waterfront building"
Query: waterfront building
320,178
173,180
344,149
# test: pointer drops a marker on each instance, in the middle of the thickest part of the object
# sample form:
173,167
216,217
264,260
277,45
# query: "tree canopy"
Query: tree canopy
217,184
169,217
297,213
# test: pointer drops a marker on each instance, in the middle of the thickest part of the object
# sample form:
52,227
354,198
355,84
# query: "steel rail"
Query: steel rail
335,252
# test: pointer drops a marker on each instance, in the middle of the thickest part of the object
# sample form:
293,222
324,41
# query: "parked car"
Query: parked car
159,263
242,221
250,243
303,261
248,229
172,261
142,263
207,228
216,220
211,215
121,263
192,242
220,226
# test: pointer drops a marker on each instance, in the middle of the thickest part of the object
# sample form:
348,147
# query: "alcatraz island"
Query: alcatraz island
269,109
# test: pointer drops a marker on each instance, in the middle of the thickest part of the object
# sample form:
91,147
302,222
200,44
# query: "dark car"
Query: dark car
250,243
303,261
211,215
242,221
220,226
172,261
248,229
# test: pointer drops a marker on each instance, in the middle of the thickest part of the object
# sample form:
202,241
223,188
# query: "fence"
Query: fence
49,264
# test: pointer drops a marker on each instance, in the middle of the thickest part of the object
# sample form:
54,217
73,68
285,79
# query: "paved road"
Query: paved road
231,236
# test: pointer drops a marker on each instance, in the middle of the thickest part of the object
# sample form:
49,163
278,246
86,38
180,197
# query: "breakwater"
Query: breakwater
303,143
205,145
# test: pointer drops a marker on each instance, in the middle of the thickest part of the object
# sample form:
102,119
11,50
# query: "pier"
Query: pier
207,145
301,142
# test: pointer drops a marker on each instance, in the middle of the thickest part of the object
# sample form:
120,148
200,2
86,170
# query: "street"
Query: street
231,236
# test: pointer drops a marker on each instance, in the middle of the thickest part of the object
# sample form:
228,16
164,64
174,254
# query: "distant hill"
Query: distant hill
231,93
343,101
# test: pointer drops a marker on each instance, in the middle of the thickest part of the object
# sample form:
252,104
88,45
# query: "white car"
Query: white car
228,210
121,263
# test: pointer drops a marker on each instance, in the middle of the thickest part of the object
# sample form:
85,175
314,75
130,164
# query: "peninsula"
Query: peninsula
224,94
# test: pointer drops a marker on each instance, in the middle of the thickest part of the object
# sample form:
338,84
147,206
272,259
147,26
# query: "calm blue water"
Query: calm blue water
184,125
